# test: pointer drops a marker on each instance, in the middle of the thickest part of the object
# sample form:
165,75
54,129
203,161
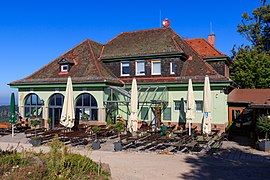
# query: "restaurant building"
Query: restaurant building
162,63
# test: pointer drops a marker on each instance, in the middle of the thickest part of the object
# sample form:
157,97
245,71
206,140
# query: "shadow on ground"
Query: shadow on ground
228,164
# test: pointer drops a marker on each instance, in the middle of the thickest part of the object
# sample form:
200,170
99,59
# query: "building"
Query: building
159,59
245,106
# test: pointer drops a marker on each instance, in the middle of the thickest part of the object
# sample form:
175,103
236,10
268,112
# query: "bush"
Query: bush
263,125
96,129
59,163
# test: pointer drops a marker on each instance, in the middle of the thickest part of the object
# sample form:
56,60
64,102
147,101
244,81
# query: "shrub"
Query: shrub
263,125
34,123
59,163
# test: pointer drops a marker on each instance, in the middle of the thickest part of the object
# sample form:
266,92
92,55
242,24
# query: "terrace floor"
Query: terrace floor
233,161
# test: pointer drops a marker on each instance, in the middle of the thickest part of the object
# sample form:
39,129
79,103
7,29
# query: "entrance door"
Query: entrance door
55,109
55,115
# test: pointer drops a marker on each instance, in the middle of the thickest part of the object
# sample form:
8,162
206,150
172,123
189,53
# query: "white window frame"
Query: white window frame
122,68
152,65
63,66
197,102
140,74
171,67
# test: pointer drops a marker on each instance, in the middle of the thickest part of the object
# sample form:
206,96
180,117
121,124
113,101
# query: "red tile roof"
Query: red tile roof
252,96
159,41
88,68
203,48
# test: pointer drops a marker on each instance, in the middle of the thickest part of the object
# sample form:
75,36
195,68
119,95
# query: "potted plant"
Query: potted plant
263,126
118,127
85,117
96,142
36,140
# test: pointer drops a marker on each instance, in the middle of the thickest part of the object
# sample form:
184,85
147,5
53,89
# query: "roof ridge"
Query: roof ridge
101,52
193,38
87,39
144,30
135,31
95,61
113,38
177,45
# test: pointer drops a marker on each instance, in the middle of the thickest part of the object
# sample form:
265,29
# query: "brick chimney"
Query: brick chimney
211,39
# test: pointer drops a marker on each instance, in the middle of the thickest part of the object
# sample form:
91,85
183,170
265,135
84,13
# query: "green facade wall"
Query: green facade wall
219,102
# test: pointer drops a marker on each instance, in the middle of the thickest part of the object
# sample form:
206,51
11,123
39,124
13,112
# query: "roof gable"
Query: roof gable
203,48
66,61
195,66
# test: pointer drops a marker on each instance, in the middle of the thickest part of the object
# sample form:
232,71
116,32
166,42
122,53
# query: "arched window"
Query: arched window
86,108
55,109
33,106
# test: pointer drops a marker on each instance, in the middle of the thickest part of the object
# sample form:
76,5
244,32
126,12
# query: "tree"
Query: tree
250,69
251,64
256,27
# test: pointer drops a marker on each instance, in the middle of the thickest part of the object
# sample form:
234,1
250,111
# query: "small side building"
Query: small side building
245,105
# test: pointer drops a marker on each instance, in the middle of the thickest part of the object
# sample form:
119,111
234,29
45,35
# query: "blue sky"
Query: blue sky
33,33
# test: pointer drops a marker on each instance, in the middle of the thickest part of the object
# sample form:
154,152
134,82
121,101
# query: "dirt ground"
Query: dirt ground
233,162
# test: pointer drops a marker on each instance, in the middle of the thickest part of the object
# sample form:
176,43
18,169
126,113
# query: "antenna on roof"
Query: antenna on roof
211,28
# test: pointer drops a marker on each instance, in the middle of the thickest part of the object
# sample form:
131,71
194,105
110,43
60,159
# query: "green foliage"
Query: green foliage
118,127
251,65
78,165
61,163
58,164
263,125
9,159
255,27
12,159
35,122
96,129
250,69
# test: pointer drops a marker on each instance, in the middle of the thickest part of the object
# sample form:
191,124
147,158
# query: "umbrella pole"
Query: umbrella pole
189,127
12,130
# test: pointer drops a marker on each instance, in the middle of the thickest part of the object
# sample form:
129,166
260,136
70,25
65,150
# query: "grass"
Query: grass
58,164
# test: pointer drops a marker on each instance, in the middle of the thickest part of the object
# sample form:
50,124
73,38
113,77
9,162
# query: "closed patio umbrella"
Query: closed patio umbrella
68,114
133,118
12,116
207,107
190,112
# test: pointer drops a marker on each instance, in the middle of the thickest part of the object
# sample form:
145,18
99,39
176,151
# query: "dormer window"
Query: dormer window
64,68
65,65
156,67
125,69
140,68
172,67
